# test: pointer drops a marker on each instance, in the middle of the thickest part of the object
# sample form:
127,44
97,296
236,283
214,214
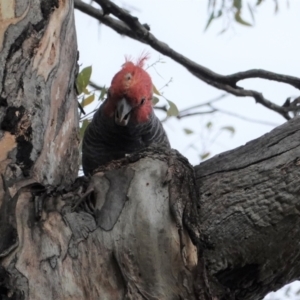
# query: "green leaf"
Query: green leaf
219,14
83,127
155,100
259,2
188,131
155,91
239,19
237,4
205,155
88,100
173,110
102,94
209,20
86,91
209,125
229,128
83,80
212,17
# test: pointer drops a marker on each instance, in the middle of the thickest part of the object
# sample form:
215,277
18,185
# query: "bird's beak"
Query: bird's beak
122,114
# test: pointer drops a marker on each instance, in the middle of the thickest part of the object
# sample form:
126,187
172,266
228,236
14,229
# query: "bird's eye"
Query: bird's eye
143,101
128,76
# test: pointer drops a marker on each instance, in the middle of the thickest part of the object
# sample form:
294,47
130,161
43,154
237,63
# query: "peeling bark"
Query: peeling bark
38,121
144,254
38,107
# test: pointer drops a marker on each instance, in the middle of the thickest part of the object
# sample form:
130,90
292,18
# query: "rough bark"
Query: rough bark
249,216
137,249
131,234
38,108
38,116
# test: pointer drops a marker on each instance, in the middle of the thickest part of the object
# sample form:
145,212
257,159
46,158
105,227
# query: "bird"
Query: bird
125,122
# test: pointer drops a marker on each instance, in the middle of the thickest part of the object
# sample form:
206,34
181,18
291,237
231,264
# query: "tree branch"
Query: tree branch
130,26
258,73
249,214
98,14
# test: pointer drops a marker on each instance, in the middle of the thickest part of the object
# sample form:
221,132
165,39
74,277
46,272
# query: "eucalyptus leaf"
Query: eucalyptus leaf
188,131
209,20
83,79
239,19
86,91
205,155
209,125
229,128
102,94
156,91
155,100
173,110
88,100
237,4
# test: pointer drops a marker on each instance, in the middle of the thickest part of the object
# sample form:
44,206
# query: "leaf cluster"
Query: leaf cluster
234,12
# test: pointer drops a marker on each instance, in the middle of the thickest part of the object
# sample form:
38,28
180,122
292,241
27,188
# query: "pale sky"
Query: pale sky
272,44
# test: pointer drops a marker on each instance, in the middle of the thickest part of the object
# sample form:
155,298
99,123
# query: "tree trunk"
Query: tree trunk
39,118
144,227
38,121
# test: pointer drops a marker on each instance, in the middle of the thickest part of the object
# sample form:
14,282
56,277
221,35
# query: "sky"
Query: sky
271,44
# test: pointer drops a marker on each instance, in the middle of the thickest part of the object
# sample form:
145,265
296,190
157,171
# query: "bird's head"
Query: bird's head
129,97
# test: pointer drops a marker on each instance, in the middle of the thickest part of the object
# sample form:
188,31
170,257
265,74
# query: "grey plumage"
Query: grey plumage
105,141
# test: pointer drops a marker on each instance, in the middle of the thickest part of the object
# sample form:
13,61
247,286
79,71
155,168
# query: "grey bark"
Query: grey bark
145,227
38,107
249,216
38,121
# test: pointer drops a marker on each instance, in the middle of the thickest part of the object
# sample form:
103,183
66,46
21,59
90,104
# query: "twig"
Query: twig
205,103
166,84
86,116
155,63
96,86
131,27
163,108
245,118
180,116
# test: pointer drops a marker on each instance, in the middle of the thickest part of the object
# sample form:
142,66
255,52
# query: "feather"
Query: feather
140,61
104,140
